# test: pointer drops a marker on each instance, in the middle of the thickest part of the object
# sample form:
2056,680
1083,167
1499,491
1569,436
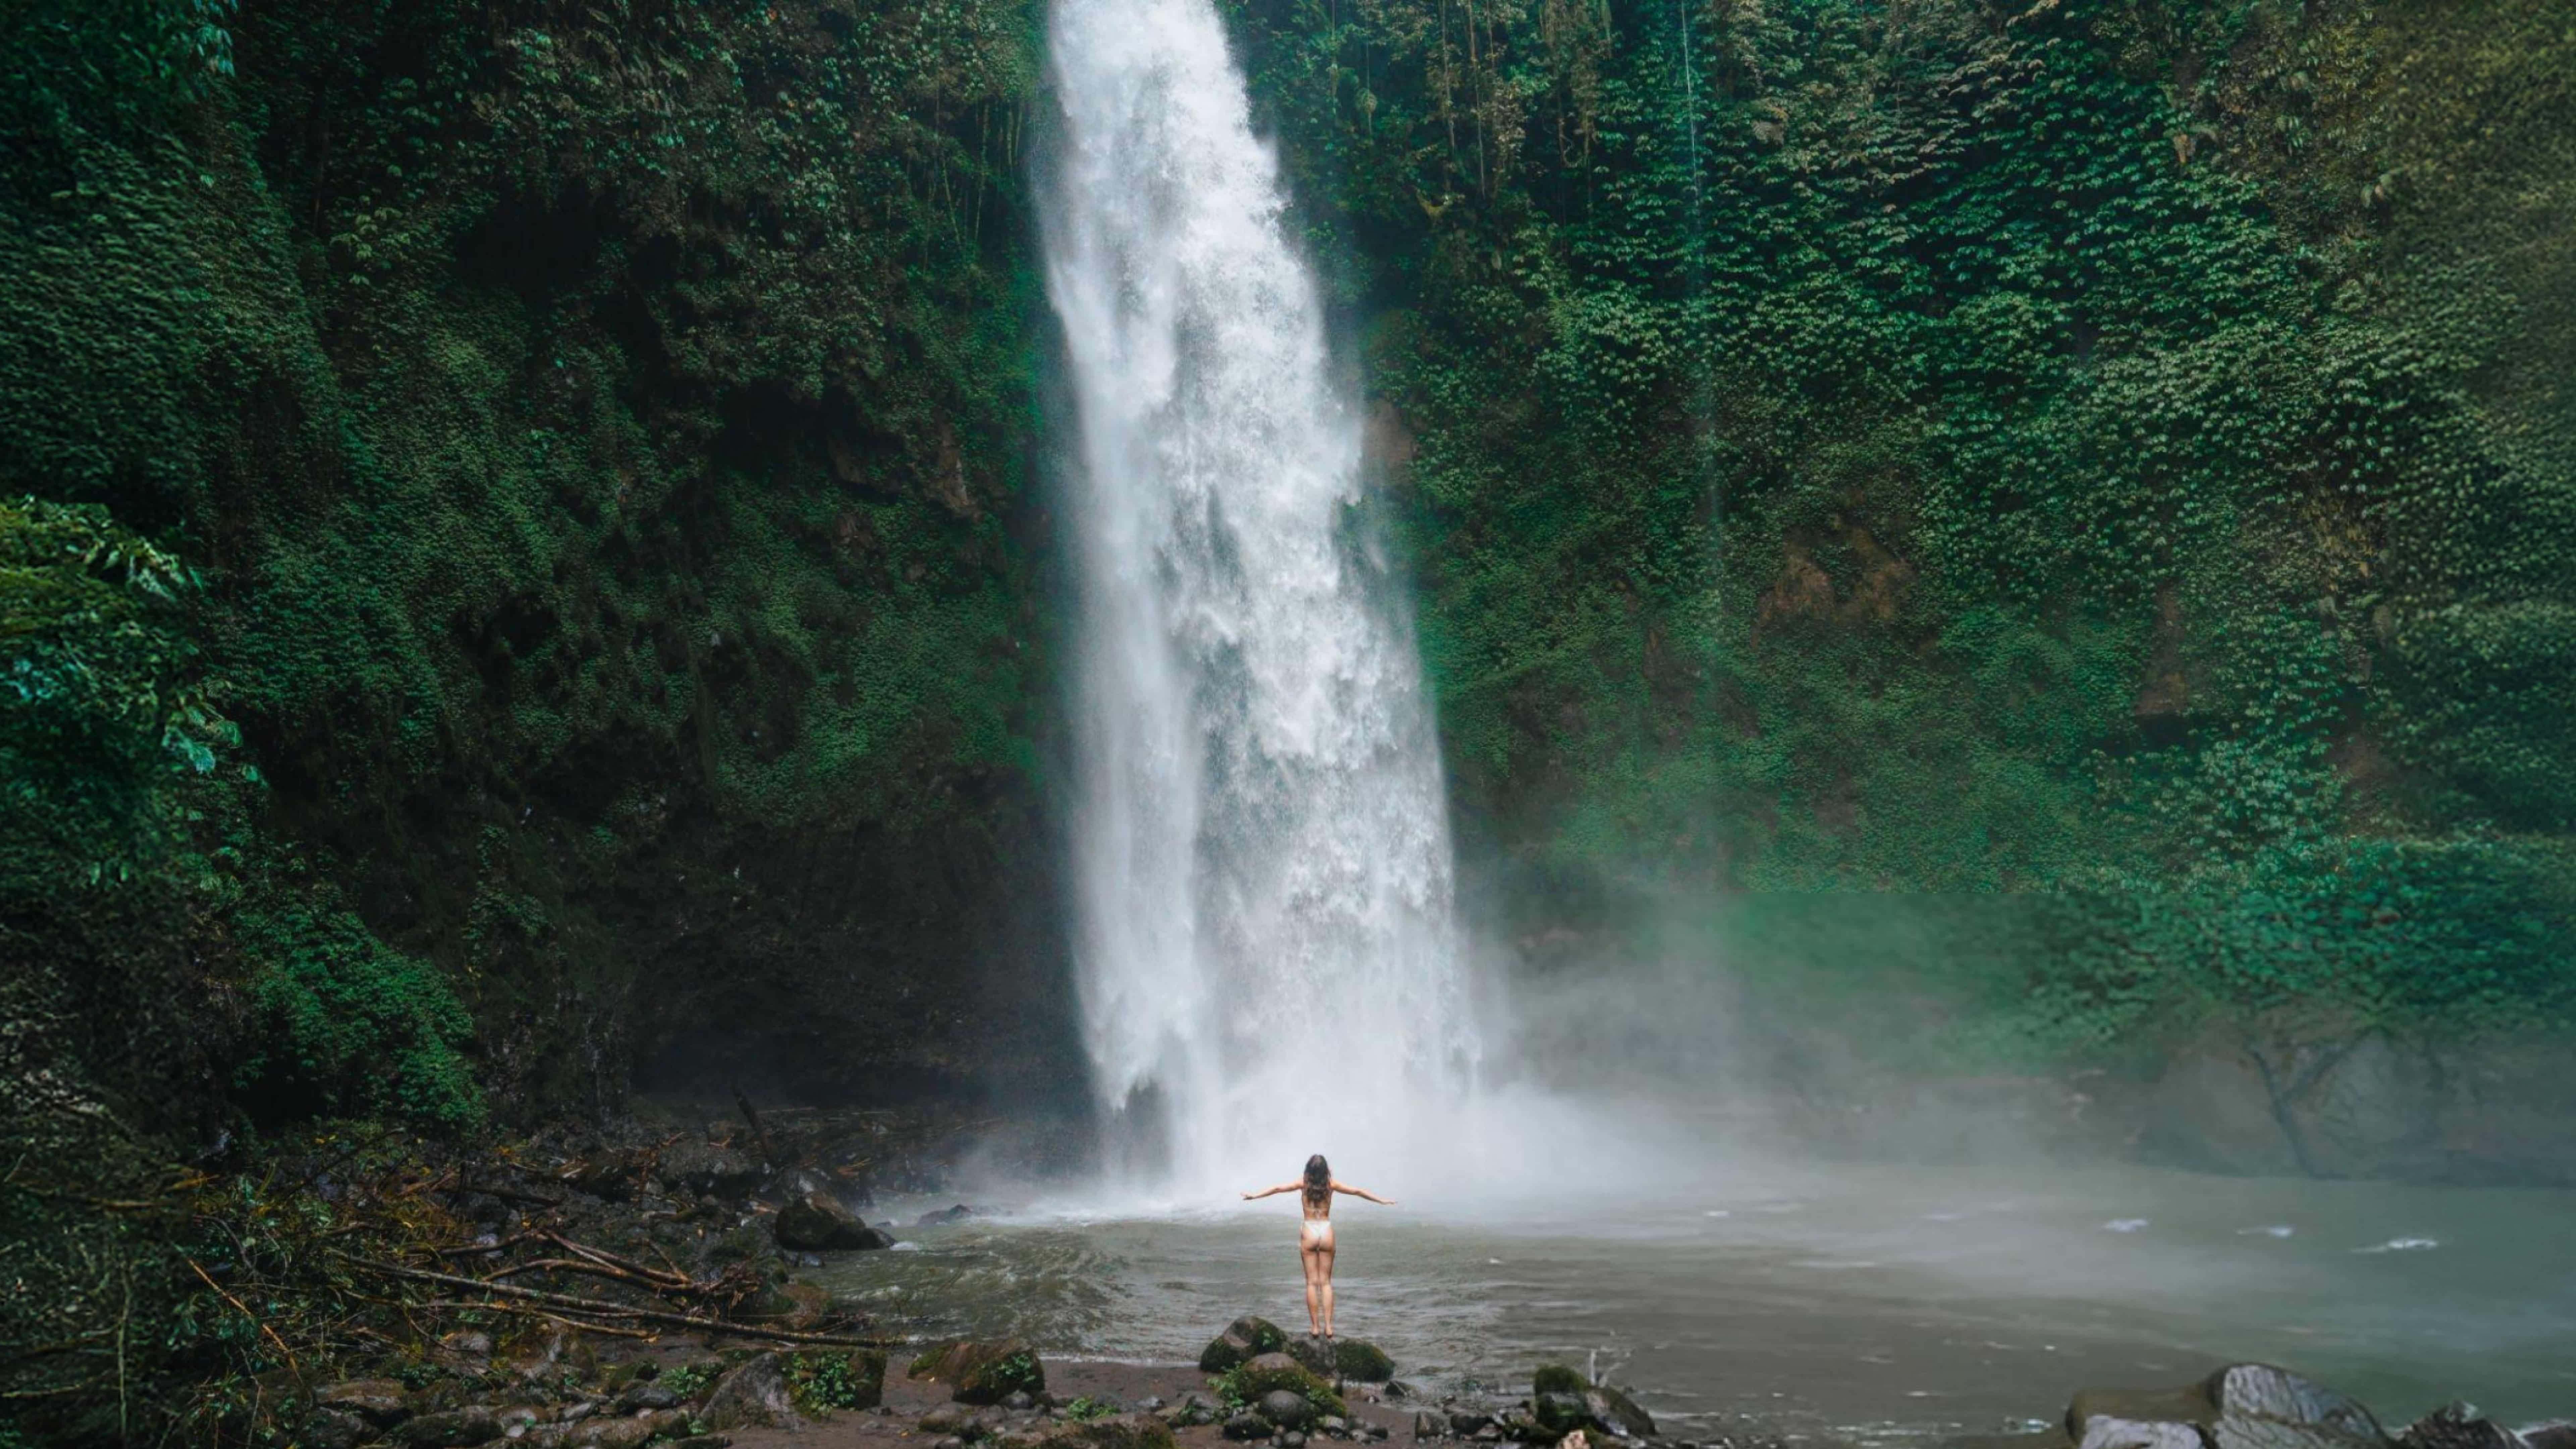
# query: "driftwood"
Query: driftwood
602,1308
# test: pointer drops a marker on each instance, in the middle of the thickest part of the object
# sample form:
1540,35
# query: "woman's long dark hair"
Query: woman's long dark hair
1319,1178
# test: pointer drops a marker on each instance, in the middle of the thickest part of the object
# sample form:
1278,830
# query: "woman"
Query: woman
1315,1239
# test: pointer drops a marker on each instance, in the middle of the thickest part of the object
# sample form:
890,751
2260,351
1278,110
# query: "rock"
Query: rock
2242,1406
2262,1407
1115,1431
647,1395
1246,1427
818,1221
754,1393
2558,1434
941,1421
452,1429
1193,1412
378,1401
1278,1371
1333,1424
1556,1378
1292,1439
1314,1353
1617,1415
1362,1361
1429,1426
1560,1413
1150,1403
1286,1408
982,1372
630,1433
1398,1389
1244,1340
957,1214
1018,1401
1465,1422
467,1343
330,1428
702,1441
2458,1426
706,1169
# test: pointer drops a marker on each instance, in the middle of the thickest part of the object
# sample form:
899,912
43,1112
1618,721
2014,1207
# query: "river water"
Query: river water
1870,1302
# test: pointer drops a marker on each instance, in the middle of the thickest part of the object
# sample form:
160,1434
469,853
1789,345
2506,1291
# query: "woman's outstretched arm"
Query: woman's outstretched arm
1341,1186
1273,1191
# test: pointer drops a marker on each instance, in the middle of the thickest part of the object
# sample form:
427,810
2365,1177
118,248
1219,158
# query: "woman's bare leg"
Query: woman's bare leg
1324,1271
1318,1287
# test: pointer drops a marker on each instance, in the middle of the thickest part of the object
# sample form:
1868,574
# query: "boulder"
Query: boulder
982,1371
956,1214
1246,1427
818,1222
2458,1426
1114,1431
378,1401
1556,1378
1244,1340
1361,1361
329,1428
1559,1412
1429,1426
1617,1415
2558,1434
1286,1408
753,1393
1313,1352
1272,1371
1465,1422
453,1429
2242,1406
702,1168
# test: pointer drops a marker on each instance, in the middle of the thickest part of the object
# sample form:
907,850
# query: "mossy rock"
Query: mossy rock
1116,1431
1244,1340
1556,1378
1361,1361
1270,1372
982,1371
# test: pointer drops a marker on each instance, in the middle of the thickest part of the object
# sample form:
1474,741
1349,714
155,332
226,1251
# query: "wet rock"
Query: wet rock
1315,1354
1246,1427
2262,1407
378,1401
1364,1362
1287,1408
1617,1415
704,1169
1559,1412
2558,1434
329,1428
818,1222
1398,1389
1193,1412
2458,1426
956,1214
1430,1426
451,1429
1556,1378
1151,1403
1466,1422
753,1393
942,1421
1019,1401
647,1395
1292,1439
982,1371
1116,1431
1244,1340
1333,1424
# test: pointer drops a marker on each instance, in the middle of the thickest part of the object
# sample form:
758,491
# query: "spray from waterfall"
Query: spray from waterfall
1269,965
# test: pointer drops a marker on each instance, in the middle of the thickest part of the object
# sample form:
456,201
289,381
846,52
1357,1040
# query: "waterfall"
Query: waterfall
1268,961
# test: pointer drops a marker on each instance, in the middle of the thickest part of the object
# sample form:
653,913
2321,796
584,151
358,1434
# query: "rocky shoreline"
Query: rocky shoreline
615,1292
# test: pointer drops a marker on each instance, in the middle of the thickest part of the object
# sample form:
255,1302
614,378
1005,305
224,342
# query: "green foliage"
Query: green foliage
1084,1409
689,1380
820,1381
344,1025
1963,447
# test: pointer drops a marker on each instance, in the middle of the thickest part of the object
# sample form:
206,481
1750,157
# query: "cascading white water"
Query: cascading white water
1268,961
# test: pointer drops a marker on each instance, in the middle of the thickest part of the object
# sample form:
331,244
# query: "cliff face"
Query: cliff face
582,457
2099,465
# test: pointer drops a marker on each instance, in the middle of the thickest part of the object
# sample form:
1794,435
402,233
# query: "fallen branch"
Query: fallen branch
569,1303
292,1366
